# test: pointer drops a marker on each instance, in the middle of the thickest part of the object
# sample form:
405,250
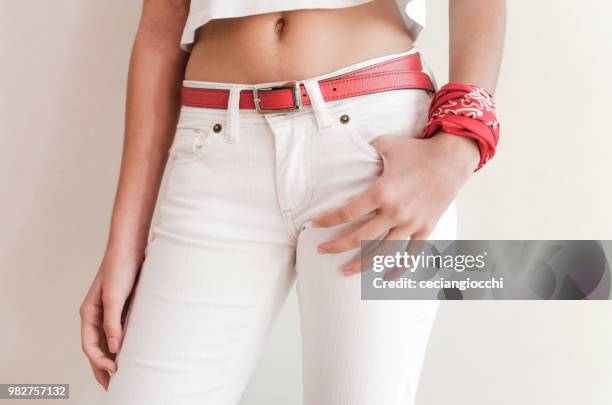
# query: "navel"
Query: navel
280,26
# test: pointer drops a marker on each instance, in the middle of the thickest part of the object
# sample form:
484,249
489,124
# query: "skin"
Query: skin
420,177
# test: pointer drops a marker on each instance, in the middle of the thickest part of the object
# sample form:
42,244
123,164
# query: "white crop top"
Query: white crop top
202,11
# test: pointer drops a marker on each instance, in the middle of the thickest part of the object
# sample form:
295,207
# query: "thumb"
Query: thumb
113,303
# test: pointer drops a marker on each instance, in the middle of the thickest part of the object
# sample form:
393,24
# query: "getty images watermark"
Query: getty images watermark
497,270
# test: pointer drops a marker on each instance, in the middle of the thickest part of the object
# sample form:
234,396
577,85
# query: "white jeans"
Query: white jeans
232,236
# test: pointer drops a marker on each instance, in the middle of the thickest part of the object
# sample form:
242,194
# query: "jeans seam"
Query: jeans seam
308,168
290,226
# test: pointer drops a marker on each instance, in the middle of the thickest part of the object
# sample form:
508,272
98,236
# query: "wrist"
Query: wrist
127,252
461,152
465,111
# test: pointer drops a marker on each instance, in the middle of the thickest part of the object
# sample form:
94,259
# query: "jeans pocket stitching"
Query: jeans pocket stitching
360,142
201,143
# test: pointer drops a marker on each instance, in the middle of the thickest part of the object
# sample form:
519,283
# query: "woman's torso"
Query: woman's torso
298,44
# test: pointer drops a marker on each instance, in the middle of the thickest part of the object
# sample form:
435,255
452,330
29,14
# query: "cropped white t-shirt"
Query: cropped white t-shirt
202,11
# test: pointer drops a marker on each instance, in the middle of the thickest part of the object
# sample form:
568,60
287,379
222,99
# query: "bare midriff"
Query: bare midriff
295,45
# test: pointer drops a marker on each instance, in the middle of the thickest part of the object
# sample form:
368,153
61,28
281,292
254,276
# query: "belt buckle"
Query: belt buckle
295,90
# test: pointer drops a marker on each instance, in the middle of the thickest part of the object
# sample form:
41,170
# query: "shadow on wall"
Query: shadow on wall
64,73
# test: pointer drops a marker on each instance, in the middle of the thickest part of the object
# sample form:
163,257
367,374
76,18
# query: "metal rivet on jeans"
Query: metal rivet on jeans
344,119
217,128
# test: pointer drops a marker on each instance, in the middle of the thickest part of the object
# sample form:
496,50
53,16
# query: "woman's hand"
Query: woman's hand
101,313
419,181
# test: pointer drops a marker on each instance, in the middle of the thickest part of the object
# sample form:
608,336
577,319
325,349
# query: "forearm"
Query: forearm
477,31
156,70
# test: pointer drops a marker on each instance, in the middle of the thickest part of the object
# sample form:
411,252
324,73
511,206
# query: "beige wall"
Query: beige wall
62,75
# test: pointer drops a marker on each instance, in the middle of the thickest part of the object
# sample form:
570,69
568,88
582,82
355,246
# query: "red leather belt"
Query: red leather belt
405,72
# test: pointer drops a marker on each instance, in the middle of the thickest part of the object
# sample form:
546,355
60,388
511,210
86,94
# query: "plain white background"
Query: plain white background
63,67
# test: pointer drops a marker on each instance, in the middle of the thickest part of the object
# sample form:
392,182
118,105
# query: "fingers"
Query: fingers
101,318
102,377
416,240
92,337
415,244
113,307
397,233
351,240
349,212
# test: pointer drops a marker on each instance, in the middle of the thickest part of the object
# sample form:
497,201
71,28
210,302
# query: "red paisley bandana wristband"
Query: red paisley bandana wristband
465,110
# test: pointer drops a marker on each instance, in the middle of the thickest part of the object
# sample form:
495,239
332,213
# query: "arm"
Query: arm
421,177
155,74
476,37
156,69
477,30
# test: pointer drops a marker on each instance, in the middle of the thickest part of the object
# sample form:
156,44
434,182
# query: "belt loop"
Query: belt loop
317,102
233,115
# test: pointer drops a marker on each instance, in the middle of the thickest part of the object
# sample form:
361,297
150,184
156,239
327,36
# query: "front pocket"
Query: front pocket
190,144
362,144
398,113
